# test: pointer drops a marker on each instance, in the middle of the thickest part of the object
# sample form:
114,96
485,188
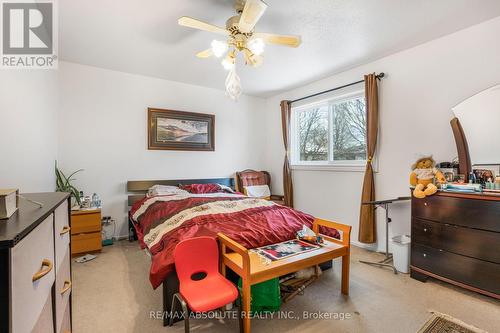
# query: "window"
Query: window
330,133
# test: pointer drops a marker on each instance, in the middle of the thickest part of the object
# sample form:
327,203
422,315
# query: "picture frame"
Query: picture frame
180,130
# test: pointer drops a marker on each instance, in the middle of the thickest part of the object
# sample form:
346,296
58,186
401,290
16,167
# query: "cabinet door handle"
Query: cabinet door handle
65,230
66,287
46,268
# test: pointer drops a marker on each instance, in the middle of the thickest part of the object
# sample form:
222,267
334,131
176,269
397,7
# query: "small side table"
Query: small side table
86,231
387,261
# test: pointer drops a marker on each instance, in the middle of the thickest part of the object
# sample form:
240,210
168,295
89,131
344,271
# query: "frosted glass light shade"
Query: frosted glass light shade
233,85
218,48
257,46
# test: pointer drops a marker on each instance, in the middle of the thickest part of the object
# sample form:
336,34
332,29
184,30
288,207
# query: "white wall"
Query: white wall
416,97
28,129
104,131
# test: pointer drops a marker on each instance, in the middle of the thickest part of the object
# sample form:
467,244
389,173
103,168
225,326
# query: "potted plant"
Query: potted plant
63,184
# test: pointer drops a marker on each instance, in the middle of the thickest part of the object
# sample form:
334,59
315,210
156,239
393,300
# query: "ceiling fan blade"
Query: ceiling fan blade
190,22
286,40
251,14
205,54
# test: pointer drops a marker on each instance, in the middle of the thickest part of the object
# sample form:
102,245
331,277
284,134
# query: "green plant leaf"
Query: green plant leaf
63,183
79,170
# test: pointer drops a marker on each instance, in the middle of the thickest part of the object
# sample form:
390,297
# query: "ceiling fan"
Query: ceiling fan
240,37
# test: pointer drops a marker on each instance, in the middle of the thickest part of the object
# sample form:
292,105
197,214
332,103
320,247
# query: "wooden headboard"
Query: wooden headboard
139,188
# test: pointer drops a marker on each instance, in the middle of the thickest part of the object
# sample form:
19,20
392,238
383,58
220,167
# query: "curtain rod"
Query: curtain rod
378,76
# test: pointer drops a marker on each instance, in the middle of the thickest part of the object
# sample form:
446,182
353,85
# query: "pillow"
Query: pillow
164,190
201,188
258,191
225,188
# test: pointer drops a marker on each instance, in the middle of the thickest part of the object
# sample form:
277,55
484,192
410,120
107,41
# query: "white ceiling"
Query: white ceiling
142,36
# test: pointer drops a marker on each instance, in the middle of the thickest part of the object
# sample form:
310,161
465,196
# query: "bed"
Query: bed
161,221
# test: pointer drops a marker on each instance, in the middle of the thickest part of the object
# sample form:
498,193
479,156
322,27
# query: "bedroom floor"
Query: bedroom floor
112,294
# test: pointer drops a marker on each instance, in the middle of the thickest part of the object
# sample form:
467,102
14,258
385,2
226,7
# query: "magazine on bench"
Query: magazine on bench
285,249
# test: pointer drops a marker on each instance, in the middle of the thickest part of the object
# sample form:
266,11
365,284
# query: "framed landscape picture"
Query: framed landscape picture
179,130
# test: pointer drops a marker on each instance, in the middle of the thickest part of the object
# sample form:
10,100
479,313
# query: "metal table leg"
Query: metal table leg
387,261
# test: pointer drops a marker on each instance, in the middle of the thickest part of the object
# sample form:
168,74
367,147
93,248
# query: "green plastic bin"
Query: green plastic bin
265,296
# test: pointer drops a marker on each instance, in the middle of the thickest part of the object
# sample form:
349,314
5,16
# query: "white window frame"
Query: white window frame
331,165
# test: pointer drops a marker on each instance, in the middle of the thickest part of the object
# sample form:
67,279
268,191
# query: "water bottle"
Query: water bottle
96,202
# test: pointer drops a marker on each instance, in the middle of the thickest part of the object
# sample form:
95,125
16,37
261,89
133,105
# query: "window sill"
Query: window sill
340,168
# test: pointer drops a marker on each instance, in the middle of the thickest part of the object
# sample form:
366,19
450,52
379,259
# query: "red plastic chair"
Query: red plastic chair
201,285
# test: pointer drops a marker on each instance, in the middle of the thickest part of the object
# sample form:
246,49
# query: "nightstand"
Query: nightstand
279,199
86,230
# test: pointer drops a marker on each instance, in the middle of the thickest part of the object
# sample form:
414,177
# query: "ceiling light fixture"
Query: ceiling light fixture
241,37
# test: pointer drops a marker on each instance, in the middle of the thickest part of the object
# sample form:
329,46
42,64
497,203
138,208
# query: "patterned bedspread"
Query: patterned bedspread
163,221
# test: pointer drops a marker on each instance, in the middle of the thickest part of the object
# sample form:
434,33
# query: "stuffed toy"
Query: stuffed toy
423,175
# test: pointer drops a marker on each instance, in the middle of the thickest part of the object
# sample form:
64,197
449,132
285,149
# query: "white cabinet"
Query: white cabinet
35,267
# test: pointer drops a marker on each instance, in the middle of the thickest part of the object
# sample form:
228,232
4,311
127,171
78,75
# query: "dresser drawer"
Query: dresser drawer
88,242
32,259
484,245
62,290
45,322
85,222
477,273
61,232
66,321
479,214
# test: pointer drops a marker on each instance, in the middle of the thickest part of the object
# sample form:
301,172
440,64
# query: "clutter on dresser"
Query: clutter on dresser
449,170
89,202
8,202
468,188
483,178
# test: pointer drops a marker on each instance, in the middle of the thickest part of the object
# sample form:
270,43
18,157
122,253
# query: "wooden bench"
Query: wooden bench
252,269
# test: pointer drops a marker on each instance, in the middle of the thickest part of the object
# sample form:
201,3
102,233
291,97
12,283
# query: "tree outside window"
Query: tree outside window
330,132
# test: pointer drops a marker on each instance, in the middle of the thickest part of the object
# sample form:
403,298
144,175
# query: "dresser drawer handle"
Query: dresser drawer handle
46,268
65,230
66,287
424,255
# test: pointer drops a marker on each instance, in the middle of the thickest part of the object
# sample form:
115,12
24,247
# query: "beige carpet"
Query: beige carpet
112,294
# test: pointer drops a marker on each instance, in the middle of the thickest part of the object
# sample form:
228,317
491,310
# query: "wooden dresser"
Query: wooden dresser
35,266
456,238
86,231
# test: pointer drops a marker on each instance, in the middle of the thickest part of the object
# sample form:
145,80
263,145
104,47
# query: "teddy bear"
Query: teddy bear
423,175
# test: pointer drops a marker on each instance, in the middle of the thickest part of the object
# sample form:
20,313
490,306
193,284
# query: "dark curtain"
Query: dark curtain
286,109
367,225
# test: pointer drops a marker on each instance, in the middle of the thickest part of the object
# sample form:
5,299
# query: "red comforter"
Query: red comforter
163,221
